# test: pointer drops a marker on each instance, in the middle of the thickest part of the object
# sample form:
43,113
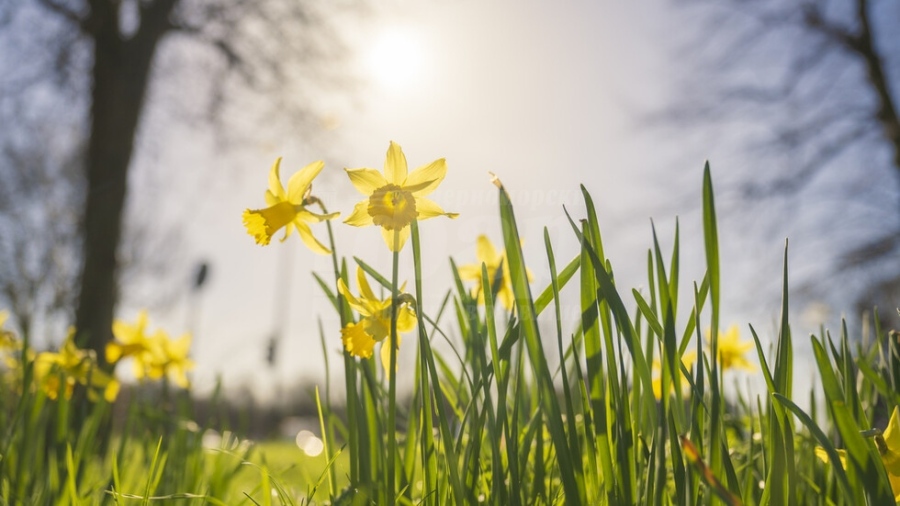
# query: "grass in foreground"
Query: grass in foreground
629,407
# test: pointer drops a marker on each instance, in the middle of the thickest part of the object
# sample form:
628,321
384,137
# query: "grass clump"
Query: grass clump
630,407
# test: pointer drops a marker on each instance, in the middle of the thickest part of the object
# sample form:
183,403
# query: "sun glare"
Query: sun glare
395,59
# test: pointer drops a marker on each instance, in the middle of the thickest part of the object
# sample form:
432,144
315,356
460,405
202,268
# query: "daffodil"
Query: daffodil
888,444
10,345
687,359
59,372
154,355
732,350
287,209
8,341
396,198
493,261
132,340
375,323
170,358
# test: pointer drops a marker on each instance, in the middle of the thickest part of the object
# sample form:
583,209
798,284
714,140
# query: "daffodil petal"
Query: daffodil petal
179,376
656,385
429,209
310,240
113,352
386,356
139,369
733,333
311,217
366,181
895,486
892,431
891,437
300,181
689,358
364,289
111,391
486,252
469,271
395,165
181,346
506,296
275,180
360,216
351,299
402,236
431,174
529,275
406,319
288,230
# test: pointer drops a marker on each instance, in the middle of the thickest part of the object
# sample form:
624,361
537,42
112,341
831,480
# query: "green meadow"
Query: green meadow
632,406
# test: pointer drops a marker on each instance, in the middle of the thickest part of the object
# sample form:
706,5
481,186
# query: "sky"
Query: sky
546,95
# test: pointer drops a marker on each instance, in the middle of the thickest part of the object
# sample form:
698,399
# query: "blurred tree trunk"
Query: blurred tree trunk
121,74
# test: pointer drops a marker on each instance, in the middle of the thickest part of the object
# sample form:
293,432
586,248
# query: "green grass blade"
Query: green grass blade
427,355
569,467
824,441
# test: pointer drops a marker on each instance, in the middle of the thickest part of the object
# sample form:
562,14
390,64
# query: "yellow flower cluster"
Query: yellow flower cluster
375,321
394,199
9,343
57,373
732,353
732,350
154,355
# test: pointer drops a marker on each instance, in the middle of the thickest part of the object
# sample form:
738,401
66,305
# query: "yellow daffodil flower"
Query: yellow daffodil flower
888,444
375,323
396,198
287,209
488,256
687,359
154,356
732,350
59,372
8,341
132,340
170,358
10,345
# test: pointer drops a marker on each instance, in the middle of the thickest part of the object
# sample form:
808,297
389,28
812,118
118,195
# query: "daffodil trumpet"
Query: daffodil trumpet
396,197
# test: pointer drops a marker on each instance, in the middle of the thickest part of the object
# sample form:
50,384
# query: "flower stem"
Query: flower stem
349,370
392,378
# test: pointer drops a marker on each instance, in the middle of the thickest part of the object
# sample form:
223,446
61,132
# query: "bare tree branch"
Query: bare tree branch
808,89
77,19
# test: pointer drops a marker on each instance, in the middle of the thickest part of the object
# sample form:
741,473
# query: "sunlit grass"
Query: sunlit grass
627,406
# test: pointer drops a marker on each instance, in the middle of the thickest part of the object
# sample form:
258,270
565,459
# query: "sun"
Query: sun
396,59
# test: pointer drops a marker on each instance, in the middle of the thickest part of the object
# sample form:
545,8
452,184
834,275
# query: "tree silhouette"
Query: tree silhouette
811,87
103,58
